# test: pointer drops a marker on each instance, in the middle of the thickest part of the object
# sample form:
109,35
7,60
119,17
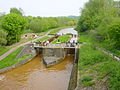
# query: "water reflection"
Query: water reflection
34,76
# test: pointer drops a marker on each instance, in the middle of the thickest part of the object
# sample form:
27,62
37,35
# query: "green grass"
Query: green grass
42,33
3,49
87,37
95,66
11,59
61,39
42,39
107,46
54,31
27,31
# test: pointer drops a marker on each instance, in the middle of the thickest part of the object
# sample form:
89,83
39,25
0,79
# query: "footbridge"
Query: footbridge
54,53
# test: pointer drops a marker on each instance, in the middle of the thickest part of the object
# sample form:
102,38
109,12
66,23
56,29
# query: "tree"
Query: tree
36,25
39,24
114,33
14,24
17,11
93,13
3,35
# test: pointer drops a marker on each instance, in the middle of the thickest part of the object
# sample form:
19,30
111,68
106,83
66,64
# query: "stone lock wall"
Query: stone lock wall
58,52
28,49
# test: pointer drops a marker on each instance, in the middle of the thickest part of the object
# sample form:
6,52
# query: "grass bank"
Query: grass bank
11,59
61,39
88,38
3,49
97,71
42,39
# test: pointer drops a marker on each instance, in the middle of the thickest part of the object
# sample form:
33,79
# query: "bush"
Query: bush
114,34
3,35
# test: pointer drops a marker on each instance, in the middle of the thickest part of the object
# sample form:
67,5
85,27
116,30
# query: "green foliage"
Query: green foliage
114,33
90,56
61,39
16,11
94,12
3,40
85,37
54,31
86,79
1,18
11,59
95,65
101,19
89,38
14,25
90,83
110,68
3,49
42,39
39,24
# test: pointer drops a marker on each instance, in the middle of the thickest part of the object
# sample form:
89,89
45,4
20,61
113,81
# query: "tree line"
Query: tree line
14,24
102,18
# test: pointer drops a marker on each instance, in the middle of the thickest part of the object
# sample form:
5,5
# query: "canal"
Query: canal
35,76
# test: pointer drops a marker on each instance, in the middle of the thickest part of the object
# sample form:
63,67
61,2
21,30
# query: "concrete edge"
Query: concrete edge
53,63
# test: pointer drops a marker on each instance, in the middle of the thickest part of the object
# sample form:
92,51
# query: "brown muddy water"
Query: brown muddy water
35,76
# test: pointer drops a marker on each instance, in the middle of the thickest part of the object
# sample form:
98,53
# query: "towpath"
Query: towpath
14,48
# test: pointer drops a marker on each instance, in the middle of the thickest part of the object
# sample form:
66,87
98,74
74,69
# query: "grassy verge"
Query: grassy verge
3,49
27,31
97,70
11,59
108,47
86,37
42,39
61,39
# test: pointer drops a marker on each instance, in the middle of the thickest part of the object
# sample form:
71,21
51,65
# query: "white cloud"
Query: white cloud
44,7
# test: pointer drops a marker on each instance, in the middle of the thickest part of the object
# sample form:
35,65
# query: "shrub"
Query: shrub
3,35
114,34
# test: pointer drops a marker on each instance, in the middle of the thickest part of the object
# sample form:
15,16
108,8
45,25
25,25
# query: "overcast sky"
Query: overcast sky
44,7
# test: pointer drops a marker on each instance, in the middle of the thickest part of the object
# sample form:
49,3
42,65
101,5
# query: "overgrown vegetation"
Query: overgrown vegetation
11,59
89,37
41,24
3,35
97,70
15,24
61,39
99,24
42,39
3,49
102,19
